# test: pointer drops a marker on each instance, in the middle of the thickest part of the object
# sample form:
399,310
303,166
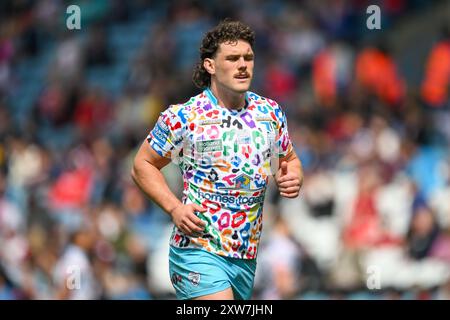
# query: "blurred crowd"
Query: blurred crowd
373,218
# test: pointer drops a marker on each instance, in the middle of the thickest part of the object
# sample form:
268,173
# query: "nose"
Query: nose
242,64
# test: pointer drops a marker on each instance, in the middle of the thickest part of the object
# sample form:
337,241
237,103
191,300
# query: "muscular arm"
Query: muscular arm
148,177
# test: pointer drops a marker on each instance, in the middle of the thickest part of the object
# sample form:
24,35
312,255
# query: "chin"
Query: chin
241,88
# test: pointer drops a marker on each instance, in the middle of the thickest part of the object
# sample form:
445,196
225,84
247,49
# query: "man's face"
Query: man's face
232,66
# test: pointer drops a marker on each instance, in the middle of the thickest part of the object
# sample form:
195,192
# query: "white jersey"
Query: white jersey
226,157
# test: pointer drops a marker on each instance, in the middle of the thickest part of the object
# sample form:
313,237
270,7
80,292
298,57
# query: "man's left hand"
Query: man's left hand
288,182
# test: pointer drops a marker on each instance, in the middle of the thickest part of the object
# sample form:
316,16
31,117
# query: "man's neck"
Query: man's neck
227,98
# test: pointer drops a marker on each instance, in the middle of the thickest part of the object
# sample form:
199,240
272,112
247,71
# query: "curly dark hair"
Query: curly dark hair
225,31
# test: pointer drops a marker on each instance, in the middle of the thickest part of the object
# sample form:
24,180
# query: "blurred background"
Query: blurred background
368,112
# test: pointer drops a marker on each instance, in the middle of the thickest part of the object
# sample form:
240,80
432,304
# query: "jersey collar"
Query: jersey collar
215,102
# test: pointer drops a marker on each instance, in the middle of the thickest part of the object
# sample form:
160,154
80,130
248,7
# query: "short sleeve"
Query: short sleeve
167,134
283,141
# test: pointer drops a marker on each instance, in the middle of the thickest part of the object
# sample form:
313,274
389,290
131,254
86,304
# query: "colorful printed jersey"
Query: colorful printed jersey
226,157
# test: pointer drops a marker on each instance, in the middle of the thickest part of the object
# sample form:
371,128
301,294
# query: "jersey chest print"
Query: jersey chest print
226,157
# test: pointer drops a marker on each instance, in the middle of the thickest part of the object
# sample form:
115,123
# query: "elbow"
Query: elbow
134,171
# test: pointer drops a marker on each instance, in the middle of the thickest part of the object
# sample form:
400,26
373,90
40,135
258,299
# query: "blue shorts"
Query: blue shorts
196,272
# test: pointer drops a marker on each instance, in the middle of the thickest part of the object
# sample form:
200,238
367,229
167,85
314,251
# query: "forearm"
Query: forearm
152,182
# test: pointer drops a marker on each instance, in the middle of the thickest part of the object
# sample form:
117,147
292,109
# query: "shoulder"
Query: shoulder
190,105
180,112
261,100
266,104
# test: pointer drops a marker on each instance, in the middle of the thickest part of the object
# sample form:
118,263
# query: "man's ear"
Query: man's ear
208,64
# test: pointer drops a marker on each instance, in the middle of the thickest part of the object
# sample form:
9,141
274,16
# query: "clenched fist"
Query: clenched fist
288,182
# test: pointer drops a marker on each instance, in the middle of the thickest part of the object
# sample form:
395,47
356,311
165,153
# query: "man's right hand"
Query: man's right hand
185,219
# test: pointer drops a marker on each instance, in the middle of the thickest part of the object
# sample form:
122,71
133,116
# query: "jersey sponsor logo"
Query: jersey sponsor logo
160,133
231,199
176,279
207,122
163,126
194,278
224,199
243,182
209,145
263,118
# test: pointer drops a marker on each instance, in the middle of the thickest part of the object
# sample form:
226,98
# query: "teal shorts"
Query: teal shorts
196,272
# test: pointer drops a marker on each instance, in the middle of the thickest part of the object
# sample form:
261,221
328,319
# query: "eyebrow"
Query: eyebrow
230,56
